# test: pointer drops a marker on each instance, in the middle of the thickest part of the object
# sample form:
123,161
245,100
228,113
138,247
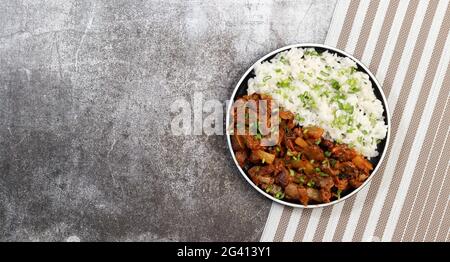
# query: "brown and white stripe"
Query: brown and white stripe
406,44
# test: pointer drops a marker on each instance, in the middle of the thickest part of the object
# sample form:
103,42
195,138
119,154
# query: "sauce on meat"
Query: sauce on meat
302,167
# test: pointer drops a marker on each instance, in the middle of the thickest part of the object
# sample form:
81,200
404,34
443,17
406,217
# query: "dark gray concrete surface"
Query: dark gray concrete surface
86,151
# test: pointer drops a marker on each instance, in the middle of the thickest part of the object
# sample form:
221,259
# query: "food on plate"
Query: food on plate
328,126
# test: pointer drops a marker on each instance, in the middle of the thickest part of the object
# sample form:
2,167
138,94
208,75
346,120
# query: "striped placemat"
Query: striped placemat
406,45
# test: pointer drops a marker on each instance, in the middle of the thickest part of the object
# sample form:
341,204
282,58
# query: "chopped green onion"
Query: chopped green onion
347,107
360,139
353,83
318,141
327,153
310,183
324,73
323,174
284,83
299,118
302,179
279,195
325,93
333,162
311,52
307,100
338,194
317,169
335,84
291,172
316,87
266,78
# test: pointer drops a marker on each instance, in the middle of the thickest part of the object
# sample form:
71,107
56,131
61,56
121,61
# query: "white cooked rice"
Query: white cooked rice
324,90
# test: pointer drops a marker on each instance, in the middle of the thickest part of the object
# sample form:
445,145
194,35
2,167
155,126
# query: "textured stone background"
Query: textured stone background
86,151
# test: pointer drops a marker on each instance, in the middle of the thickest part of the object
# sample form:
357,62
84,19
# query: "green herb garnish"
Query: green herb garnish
311,52
291,172
323,174
335,84
333,162
299,118
338,194
279,195
302,179
347,107
284,83
266,78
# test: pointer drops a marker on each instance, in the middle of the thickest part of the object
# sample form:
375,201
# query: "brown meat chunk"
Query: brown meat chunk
340,184
325,195
326,183
241,156
237,142
362,163
343,152
286,115
314,152
303,195
327,144
291,191
254,158
252,142
313,194
266,170
283,178
259,180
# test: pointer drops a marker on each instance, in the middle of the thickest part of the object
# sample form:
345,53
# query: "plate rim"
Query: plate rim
306,45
